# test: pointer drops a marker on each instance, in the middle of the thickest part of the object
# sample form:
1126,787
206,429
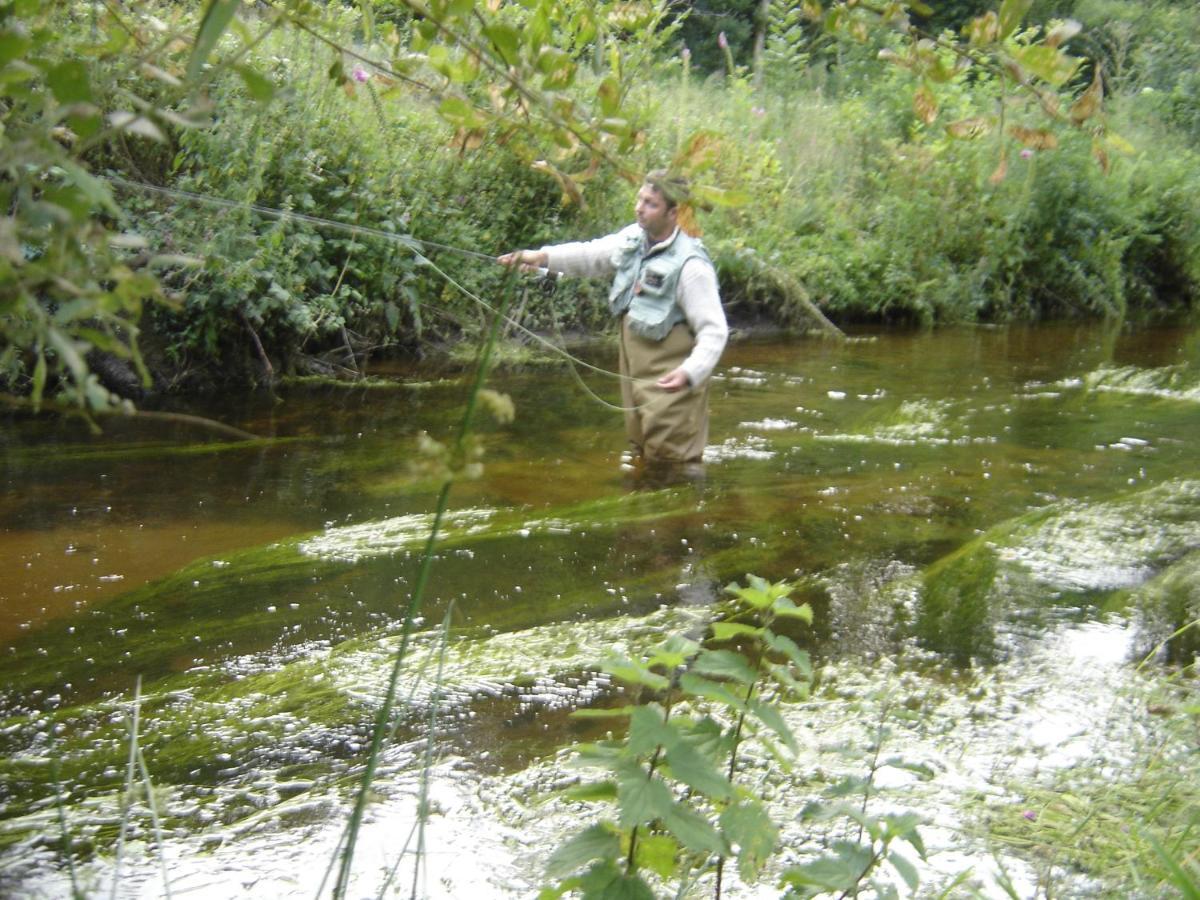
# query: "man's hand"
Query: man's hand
528,260
674,381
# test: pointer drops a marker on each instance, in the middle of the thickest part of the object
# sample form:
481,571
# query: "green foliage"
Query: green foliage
672,780
67,283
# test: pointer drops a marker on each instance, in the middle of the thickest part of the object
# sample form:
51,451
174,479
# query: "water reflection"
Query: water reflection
963,492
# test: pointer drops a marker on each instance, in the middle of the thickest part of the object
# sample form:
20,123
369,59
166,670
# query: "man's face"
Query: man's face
654,214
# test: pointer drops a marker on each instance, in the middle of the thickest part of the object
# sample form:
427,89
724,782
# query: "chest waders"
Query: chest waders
654,340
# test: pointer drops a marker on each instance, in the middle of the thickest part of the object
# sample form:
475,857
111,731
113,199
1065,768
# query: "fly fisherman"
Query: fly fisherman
672,326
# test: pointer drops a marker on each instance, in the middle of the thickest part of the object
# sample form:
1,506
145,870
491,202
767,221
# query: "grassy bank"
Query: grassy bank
847,199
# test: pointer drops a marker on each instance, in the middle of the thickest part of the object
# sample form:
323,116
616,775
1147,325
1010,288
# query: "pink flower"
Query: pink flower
686,53
1026,153
759,111
360,75
722,41
1029,813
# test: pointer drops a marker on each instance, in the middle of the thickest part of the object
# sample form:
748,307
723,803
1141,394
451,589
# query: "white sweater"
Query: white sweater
697,296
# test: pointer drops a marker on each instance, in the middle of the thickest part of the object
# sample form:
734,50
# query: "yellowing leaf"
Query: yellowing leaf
1101,156
1089,101
1001,170
925,105
1011,14
967,129
1062,32
1035,138
983,30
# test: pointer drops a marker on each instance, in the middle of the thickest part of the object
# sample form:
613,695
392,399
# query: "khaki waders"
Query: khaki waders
661,425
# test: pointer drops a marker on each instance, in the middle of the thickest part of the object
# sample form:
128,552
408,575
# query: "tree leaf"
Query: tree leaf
967,129
601,712
506,40
135,124
925,105
1011,14
609,95
599,841
69,82
1089,101
213,24
1048,63
260,87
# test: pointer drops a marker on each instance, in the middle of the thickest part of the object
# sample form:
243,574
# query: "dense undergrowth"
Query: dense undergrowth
847,198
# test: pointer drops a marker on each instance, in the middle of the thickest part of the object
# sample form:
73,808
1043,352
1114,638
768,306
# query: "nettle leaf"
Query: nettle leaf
698,772
658,853
781,643
785,608
753,835
135,124
694,831
600,841
711,690
754,597
725,631
641,798
602,712
676,649
838,872
606,881
596,790
907,870
648,730
770,716
725,664
634,673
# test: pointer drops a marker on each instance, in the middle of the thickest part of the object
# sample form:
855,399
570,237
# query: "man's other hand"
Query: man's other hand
674,381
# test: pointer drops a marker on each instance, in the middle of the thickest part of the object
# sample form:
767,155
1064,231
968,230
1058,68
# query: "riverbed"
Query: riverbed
979,518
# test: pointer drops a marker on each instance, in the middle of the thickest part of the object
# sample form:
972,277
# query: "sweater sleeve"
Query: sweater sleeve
591,259
700,300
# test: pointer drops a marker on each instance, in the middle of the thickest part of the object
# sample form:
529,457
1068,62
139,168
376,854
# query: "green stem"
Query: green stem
414,605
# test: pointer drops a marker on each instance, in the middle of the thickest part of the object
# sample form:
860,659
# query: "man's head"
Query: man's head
657,205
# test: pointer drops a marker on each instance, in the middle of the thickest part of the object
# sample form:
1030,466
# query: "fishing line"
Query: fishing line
413,244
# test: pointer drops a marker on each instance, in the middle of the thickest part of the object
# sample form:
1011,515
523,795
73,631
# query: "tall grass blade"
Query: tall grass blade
158,835
383,720
76,893
127,802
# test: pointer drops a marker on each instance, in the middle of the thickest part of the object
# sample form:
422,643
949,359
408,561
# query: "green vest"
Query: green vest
645,284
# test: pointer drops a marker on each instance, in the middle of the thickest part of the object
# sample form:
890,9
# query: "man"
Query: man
672,326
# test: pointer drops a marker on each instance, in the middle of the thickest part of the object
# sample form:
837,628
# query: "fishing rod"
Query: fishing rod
285,215
413,244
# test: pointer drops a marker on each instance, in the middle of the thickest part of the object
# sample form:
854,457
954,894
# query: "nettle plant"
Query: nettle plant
679,811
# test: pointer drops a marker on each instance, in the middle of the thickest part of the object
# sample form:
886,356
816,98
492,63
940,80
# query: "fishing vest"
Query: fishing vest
646,281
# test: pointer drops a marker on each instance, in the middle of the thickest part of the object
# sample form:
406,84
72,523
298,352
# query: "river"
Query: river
976,516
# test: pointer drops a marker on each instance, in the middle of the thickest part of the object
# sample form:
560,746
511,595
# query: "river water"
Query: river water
979,517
